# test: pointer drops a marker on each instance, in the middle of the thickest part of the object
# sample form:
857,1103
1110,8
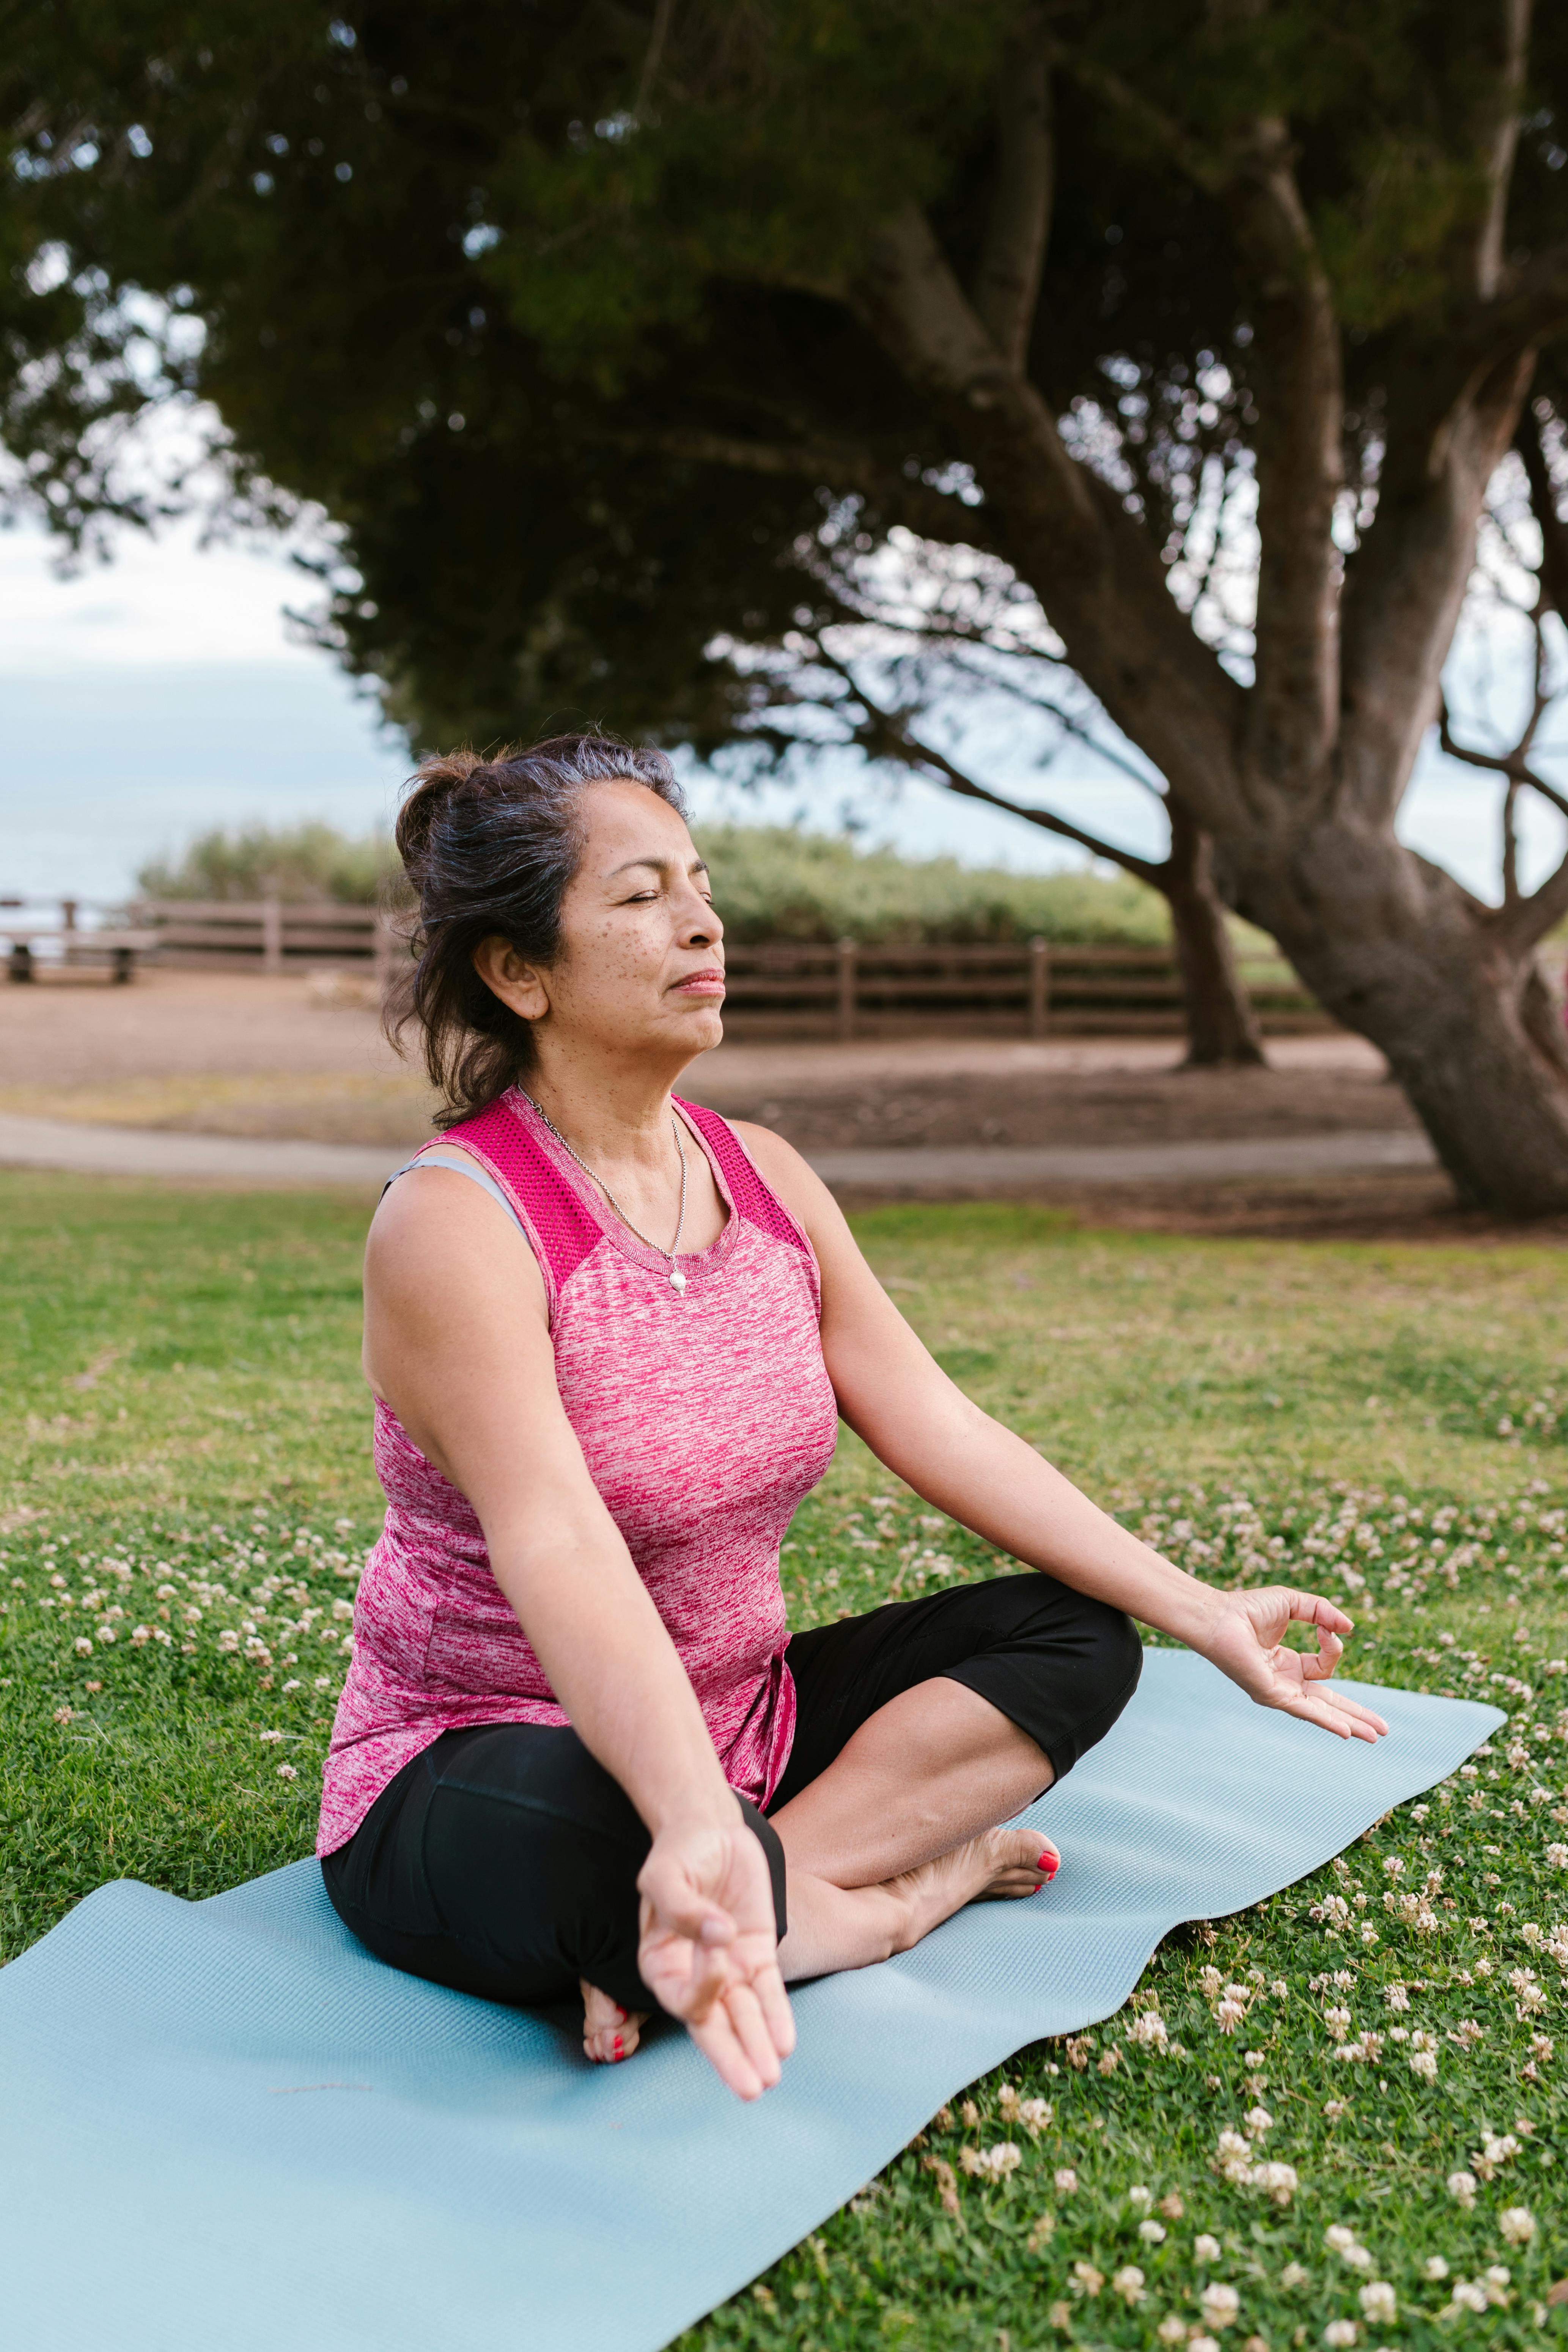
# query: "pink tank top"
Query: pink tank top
703,1418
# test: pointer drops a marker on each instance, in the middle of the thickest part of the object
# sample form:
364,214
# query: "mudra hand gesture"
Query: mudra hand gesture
709,1949
1246,1641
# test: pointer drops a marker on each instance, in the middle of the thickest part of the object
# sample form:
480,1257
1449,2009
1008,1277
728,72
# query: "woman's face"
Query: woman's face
641,966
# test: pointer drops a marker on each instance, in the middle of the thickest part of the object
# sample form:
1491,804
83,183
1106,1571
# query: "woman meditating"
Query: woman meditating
611,1338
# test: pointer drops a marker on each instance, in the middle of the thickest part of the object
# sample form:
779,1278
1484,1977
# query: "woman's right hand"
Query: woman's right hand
709,1949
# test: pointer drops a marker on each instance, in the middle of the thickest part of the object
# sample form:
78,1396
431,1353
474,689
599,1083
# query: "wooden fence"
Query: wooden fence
1031,989
265,934
839,989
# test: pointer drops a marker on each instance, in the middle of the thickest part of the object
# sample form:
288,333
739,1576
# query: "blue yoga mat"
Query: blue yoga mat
224,2128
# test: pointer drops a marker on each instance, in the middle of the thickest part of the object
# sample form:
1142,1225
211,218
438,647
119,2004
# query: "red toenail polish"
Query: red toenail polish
1049,1863
619,2051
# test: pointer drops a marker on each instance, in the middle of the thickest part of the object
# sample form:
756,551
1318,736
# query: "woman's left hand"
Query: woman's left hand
1245,1640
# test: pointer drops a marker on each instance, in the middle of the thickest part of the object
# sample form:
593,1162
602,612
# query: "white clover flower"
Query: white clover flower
1276,2180
1348,2246
1151,2232
1066,2180
140,1636
82,1646
1220,2304
288,1773
1149,2032
1557,1857
1338,2022
1233,2159
1172,2328
1229,2015
1340,2331
269,1738
107,1633
1517,2223
1128,2283
1085,2279
1397,1996
1462,2189
1424,2065
1469,2295
1393,1866
1257,2121
1140,2198
1210,1983
1202,2343
1205,2249
1292,2276
1035,2115
1435,2268
1379,2302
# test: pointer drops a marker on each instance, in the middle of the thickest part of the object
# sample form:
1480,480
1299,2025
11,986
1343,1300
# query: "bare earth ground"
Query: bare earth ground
244,1054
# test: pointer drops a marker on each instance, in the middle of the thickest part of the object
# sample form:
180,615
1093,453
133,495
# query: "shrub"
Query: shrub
771,882
299,862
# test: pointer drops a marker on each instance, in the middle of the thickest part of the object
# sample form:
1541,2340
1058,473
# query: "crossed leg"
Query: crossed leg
902,1828
898,1833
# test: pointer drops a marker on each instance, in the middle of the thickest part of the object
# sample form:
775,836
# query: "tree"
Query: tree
892,646
578,320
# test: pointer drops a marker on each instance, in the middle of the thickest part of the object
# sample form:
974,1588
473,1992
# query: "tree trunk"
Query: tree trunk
1399,953
1222,1024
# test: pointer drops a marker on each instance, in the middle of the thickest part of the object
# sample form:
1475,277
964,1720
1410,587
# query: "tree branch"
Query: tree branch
1123,632
1544,504
886,734
883,733
1007,283
840,467
1529,308
1494,139
1512,765
1292,712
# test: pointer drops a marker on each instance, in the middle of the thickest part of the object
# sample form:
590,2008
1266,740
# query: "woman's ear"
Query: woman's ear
519,984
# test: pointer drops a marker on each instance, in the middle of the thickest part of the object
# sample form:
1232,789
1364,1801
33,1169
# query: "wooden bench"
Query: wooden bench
118,949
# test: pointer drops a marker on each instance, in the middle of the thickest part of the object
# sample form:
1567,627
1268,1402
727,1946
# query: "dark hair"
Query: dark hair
491,847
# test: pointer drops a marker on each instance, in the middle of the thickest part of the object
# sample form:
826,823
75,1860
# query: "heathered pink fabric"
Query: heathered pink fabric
703,1419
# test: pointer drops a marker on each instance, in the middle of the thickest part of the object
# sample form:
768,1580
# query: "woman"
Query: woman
610,1338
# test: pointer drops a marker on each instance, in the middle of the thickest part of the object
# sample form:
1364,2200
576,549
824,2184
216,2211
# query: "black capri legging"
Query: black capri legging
503,1860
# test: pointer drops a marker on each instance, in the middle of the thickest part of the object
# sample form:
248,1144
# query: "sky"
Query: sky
163,694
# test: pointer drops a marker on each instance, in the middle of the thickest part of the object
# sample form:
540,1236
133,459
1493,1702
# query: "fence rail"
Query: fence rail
1032,988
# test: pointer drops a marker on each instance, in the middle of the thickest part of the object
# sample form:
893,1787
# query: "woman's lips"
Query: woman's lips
700,983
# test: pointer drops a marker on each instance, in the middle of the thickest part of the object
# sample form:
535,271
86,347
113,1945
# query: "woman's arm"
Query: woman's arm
895,1397
457,1343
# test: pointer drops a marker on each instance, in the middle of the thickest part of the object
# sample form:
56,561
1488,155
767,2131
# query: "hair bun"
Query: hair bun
430,787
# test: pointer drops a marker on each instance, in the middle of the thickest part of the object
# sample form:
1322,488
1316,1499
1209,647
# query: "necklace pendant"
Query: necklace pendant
677,1279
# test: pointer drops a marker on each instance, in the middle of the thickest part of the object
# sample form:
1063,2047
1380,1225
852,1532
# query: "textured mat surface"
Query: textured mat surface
224,2128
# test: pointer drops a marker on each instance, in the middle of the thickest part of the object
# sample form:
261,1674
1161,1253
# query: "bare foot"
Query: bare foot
998,1866
609,2031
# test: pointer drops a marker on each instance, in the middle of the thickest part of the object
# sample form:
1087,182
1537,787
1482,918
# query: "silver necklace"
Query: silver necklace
677,1279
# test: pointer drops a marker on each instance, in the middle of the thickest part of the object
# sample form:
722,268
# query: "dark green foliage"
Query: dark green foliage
494,286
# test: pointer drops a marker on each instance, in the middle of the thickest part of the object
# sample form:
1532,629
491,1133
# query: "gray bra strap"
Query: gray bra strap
463,1167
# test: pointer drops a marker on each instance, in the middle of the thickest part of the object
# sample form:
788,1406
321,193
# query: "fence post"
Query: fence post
1039,987
849,959
271,935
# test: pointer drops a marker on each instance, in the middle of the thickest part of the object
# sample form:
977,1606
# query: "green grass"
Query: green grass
183,1408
